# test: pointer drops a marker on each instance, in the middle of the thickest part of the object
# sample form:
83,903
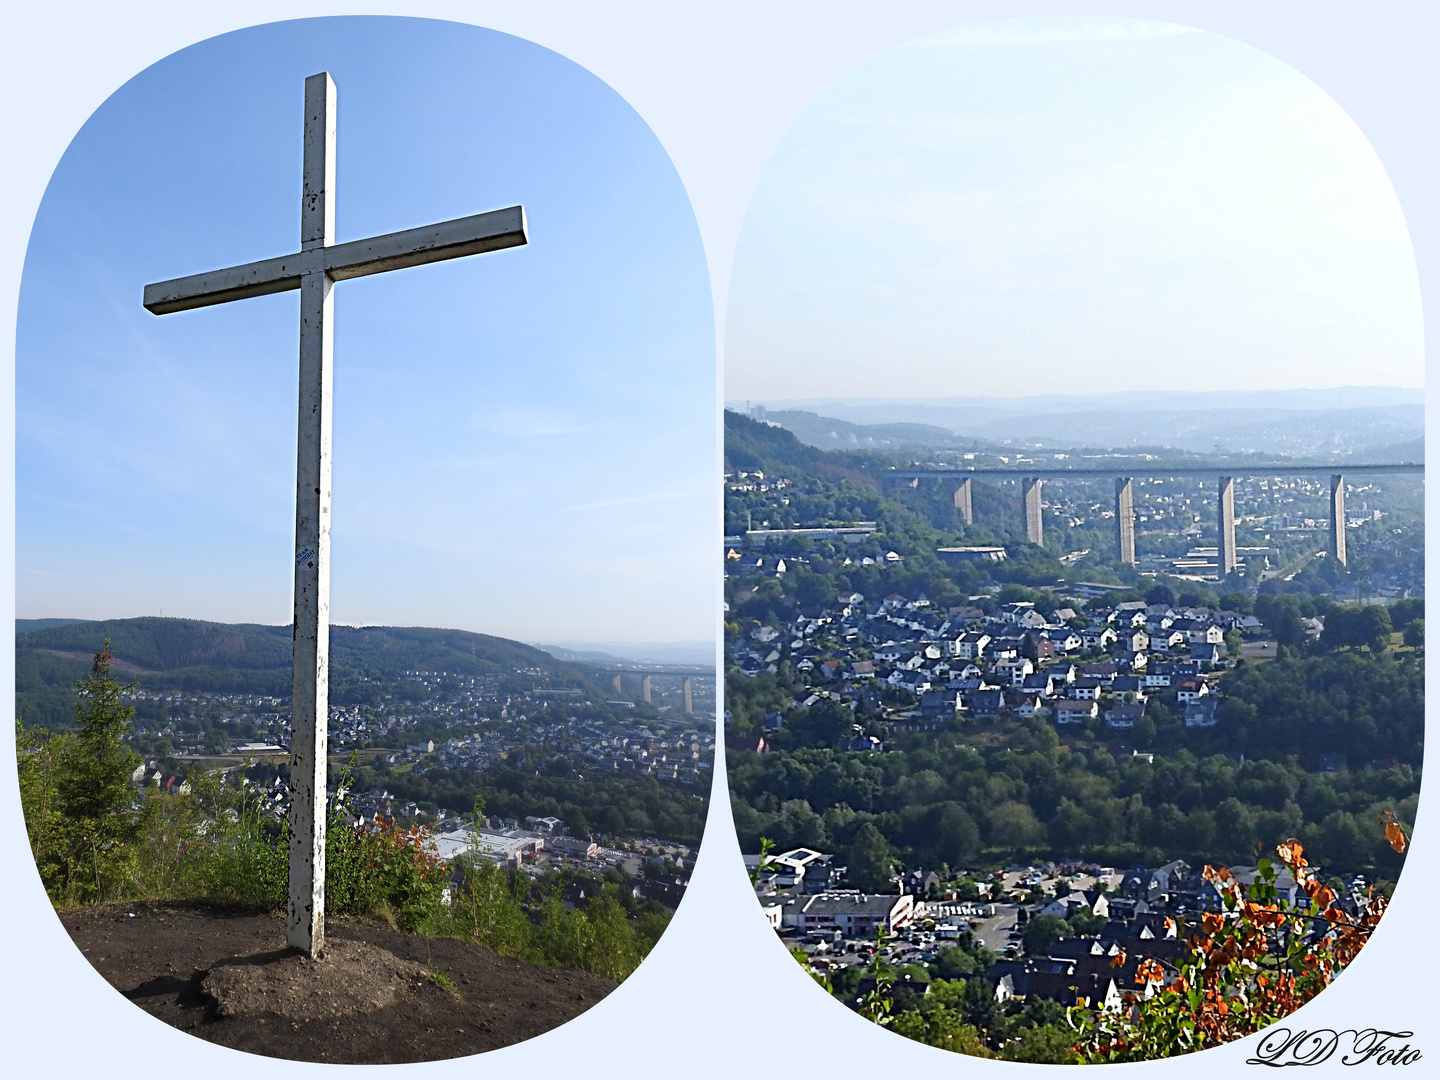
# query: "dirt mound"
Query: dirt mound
378,996
350,978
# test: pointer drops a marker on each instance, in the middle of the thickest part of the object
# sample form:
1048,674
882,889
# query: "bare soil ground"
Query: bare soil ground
226,976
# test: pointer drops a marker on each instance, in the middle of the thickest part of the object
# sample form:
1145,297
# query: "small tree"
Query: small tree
88,810
1234,643
1042,932
871,863
96,785
1415,633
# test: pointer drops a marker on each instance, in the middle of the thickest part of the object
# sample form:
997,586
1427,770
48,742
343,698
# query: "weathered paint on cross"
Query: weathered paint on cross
313,270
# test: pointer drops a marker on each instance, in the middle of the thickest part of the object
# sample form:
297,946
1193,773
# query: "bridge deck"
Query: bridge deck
1161,471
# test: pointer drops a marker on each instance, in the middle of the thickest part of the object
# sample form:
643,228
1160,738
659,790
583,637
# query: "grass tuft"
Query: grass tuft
440,979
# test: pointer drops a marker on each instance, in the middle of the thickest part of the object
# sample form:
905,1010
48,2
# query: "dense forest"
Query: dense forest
952,804
549,786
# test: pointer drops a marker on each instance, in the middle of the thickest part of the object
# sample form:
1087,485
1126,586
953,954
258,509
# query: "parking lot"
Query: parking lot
994,932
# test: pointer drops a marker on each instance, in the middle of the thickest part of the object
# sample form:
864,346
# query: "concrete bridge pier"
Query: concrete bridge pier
689,696
1229,563
1125,519
1337,518
617,685
1034,523
963,503
645,689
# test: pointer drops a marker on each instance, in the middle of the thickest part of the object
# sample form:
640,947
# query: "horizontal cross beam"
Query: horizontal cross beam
492,231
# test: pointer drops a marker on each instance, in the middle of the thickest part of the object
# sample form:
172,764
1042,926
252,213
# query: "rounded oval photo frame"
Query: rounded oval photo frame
1074,565
368,841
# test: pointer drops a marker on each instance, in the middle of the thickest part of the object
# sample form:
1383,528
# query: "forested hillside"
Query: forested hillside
187,654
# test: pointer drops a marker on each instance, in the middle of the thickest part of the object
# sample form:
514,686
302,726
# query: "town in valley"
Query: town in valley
985,731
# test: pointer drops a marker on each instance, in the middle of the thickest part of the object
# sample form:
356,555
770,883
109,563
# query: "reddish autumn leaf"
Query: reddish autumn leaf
1395,835
1292,854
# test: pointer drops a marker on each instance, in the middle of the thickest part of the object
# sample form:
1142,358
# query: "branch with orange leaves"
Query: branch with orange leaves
1252,962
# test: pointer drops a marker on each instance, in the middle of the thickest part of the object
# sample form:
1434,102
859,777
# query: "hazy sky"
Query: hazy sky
524,440
1071,205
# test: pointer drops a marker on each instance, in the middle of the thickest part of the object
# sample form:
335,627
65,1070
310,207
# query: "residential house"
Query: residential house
1208,655
1123,717
1160,676
1062,672
1065,986
1190,689
1203,713
1133,640
1039,682
1071,711
940,704
1063,640
1014,669
1128,618
1005,648
1040,645
1129,687
1013,611
1167,639
1027,703
971,646
988,702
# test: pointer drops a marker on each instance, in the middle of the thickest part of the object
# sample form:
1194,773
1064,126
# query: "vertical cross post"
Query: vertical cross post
310,677
313,270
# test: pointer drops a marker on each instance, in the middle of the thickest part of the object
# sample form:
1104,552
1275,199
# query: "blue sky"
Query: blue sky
1071,205
523,441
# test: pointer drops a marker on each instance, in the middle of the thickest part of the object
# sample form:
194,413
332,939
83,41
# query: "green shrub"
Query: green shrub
96,837
383,868
487,908
81,813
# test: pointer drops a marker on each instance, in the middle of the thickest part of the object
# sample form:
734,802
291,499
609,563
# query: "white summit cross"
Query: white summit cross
313,269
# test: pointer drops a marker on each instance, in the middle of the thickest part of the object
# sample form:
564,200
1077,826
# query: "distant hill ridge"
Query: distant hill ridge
1354,423
168,645
245,658
751,445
